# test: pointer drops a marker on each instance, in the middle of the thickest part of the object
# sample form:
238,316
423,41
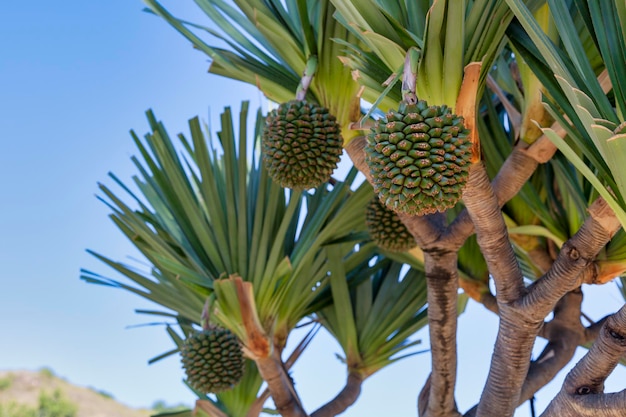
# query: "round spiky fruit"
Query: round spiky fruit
301,144
419,158
213,360
386,229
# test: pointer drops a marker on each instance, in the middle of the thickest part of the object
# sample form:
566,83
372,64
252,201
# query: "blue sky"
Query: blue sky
75,77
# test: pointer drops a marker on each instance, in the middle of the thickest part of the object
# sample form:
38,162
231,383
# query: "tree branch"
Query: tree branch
426,229
280,386
521,319
593,330
515,117
510,361
257,407
344,399
577,254
582,392
509,364
564,333
422,397
442,280
209,408
514,173
493,238
356,151
259,348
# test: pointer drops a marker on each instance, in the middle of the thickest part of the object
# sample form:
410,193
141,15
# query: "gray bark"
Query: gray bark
442,281
582,393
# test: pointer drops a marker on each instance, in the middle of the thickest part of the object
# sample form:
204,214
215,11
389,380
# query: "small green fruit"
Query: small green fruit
213,360
386,229
419,158
301,145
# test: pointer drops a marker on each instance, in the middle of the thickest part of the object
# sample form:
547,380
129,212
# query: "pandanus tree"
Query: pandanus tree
491,133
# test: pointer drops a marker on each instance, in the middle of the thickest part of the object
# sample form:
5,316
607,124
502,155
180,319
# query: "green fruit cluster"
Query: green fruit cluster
213,360
419,158
386,229
301,145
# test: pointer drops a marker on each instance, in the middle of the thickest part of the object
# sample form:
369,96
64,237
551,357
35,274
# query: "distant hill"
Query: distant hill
25,387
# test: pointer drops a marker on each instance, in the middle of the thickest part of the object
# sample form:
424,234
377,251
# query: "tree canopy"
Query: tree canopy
490,132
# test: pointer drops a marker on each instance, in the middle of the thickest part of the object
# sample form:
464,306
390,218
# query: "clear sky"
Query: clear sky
75,77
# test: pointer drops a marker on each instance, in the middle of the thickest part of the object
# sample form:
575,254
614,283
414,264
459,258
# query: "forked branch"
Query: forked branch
257,407
510,360
582,393
280,386
565,333
259,348
521,318
577,254
514,173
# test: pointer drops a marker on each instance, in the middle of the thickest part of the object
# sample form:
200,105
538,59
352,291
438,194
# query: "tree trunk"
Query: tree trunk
442,280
